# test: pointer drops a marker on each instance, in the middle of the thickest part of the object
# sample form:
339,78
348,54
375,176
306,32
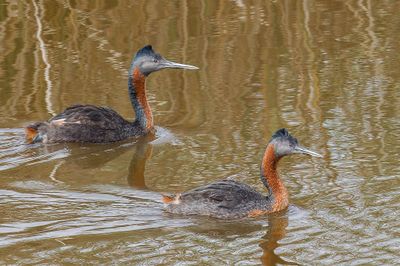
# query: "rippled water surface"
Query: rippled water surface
326,70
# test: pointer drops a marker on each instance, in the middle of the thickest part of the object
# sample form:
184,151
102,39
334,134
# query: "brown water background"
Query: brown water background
326,70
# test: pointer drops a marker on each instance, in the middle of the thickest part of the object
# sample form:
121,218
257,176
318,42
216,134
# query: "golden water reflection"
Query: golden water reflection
327,70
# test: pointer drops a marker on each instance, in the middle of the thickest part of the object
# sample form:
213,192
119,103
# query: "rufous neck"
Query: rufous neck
137,93
271,180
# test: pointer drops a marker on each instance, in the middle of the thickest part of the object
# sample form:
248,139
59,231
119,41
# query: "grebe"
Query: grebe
229,199
89,123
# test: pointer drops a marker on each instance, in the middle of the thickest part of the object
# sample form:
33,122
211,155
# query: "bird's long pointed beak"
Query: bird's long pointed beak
303,150
170,64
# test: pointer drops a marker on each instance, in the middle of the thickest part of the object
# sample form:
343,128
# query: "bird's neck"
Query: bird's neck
137,93
271,180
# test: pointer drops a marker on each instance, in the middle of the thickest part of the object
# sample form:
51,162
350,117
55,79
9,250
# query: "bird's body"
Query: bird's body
86,123
225,199
228,199
89,123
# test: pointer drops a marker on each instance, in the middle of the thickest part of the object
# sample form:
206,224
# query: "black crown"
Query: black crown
284,134
147,50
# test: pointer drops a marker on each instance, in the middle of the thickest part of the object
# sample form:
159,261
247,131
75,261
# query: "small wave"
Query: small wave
165,136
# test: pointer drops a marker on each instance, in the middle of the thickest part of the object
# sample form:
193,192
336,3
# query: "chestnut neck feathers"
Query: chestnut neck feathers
271,180
137,93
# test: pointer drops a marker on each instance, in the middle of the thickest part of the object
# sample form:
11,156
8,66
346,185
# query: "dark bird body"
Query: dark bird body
228,199
224,199
86,123
89,123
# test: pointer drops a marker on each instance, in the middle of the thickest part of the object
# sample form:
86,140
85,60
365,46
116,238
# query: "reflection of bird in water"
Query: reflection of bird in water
90,156
229,199
89,123
277,223
137,166
269,242
94,157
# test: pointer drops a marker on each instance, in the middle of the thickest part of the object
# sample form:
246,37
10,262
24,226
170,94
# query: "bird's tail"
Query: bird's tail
171,199
32,133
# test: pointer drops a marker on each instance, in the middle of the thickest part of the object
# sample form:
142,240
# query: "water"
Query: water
326,70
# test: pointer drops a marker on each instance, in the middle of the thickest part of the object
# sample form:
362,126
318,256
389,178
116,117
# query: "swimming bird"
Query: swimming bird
89,123
229,199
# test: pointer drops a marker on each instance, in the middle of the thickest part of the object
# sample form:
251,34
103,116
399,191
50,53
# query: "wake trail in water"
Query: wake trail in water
15,152
98,209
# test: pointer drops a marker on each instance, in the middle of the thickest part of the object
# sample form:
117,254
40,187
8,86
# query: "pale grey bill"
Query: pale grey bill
170,64
300,149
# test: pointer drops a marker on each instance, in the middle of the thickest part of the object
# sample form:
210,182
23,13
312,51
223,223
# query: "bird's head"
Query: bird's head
286,144
148,61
